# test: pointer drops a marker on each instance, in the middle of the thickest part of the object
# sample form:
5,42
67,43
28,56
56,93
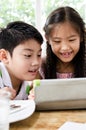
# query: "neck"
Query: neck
65,68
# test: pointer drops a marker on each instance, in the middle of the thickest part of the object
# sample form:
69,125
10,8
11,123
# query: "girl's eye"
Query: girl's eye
71,40
27,55
57,41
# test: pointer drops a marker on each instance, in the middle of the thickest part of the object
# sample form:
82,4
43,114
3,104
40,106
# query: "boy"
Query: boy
20,55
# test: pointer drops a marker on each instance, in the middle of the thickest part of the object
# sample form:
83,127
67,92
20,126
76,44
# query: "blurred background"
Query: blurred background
35,12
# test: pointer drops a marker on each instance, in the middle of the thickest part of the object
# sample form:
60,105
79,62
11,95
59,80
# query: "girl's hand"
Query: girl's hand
11,90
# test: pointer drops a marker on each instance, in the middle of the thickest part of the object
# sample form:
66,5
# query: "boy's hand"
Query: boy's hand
31,94
11,90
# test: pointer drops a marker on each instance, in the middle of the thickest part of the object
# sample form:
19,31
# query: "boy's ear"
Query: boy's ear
3,55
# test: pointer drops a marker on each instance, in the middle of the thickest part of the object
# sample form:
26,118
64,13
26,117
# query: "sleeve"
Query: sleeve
1,82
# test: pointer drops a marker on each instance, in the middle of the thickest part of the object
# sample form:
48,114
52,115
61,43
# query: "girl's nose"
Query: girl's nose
64,47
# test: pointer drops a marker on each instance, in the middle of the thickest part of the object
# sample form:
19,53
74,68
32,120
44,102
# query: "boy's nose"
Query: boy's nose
35,62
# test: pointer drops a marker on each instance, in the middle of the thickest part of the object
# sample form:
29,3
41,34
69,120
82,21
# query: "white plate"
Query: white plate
26,109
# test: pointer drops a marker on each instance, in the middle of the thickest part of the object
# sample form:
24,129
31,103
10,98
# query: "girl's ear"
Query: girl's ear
3,55
46,37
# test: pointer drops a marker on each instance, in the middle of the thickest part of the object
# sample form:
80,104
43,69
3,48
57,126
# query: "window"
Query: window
46,6
35,12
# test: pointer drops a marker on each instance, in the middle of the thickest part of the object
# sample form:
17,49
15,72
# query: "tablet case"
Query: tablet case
57,94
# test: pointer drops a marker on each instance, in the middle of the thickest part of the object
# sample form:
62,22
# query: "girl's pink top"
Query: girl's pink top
59,75
64,75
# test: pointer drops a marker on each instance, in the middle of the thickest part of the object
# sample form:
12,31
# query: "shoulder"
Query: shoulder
40,74
43,62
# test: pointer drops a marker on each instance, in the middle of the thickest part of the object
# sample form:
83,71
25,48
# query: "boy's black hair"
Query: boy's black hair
16,33
61,15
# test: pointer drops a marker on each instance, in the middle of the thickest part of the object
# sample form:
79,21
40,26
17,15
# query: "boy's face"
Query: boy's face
25,60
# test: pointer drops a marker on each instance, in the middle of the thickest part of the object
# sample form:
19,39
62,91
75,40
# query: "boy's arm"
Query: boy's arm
11,90
6,88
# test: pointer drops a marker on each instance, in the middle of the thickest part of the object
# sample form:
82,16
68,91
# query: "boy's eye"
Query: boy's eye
39,55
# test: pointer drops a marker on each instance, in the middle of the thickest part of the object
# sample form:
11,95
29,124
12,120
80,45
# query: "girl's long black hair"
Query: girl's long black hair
60,15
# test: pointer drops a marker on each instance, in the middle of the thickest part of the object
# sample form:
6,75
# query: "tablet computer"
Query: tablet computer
55,94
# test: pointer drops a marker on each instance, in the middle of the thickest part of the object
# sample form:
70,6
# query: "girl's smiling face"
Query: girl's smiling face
25,61
64,41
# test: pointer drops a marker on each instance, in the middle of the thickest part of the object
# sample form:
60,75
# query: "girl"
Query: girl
20,55
66,45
